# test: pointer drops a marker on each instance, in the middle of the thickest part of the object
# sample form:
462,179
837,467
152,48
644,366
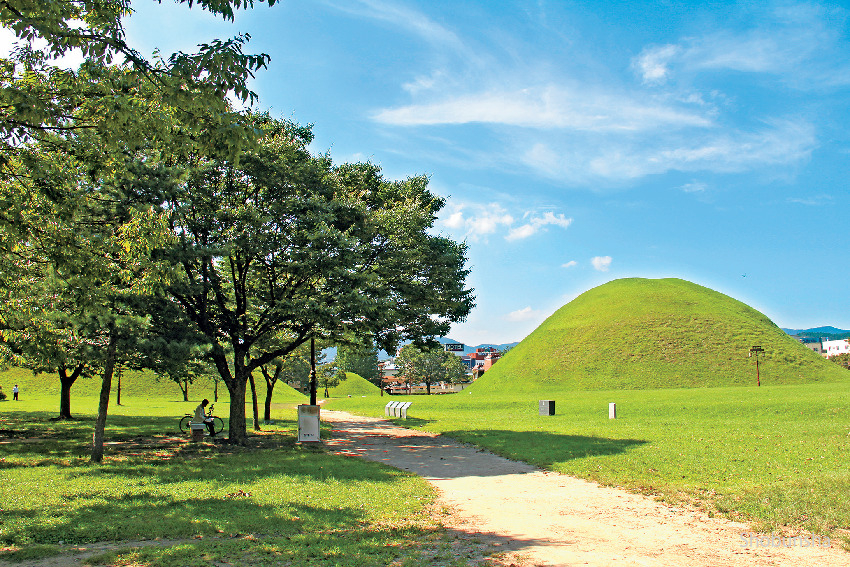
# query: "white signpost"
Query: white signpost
308,424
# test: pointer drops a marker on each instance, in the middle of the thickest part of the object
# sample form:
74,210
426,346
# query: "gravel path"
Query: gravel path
545,518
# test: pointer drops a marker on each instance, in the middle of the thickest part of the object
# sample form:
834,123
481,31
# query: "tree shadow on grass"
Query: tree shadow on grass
239,531
543,448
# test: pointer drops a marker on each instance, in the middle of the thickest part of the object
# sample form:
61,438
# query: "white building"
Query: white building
834,348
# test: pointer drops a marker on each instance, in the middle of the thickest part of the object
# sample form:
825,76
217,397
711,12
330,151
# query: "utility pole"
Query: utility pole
757,350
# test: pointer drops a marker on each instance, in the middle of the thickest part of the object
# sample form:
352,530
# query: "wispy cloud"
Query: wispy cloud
613,130
694,187
799,43
547,107
601,263
570,264
813,200
402,17
779,143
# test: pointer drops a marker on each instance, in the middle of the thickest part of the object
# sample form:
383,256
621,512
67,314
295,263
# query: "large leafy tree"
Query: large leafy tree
78,149
284,245
429,366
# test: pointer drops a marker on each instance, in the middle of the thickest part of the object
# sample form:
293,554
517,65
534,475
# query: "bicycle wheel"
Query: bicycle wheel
218,424
184,423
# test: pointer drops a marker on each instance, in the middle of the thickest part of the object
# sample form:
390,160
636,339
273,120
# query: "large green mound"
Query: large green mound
640,333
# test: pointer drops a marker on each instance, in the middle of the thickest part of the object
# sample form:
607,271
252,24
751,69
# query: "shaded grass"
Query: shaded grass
774,456
270,503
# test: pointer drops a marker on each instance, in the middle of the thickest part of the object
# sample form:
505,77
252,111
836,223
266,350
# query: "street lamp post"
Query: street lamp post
313,381
756,351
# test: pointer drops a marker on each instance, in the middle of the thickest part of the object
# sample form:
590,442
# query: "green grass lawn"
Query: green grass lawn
273,503
775,456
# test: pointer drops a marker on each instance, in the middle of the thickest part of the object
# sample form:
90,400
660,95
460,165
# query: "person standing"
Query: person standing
15,393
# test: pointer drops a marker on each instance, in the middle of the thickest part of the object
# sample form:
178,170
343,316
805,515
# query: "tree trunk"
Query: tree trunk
65,393
105,388
428,388
184,388
254,402
215,391
267,415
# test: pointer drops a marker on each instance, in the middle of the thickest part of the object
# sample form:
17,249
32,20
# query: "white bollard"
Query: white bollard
612,411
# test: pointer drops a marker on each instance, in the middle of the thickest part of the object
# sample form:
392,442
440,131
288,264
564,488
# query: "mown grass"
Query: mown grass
774,456
274,502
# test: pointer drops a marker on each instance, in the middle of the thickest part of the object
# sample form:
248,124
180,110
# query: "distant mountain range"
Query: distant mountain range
830,333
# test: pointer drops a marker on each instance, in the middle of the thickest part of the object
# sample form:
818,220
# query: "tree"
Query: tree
294,367
329,376
84,245
97,243
429,366
37,97
38,332
842,359
281,246
360,360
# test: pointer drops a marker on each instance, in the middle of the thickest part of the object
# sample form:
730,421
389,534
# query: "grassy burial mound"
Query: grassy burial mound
668,333
354,385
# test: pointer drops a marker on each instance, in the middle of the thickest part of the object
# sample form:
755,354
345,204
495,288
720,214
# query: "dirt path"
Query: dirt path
550,519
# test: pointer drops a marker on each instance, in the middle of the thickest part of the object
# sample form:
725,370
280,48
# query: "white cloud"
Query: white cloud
595,132
652,63
476,221
601,263
570,264
536,223
524,314
694,187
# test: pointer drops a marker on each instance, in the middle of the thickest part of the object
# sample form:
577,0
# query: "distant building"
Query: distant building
834,348
812,343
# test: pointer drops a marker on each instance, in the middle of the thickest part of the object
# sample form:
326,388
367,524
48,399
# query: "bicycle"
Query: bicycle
218,423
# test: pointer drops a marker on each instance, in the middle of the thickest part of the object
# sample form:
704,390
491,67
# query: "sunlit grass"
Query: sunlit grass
775,456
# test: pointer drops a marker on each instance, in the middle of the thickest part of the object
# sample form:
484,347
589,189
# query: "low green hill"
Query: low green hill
353,385
640,333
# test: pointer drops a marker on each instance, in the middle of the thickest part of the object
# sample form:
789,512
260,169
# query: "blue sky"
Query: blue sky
580,142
